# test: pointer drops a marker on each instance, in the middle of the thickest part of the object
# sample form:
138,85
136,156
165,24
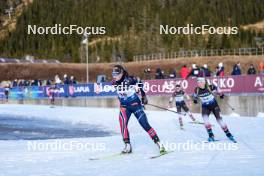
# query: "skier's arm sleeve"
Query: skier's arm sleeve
216,90
187,96
140,85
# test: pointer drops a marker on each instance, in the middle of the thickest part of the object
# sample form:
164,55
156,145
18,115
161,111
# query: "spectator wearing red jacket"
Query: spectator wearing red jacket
221,70
184,72
261,68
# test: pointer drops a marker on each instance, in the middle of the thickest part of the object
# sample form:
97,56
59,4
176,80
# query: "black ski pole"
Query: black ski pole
228,105
233,109
156,106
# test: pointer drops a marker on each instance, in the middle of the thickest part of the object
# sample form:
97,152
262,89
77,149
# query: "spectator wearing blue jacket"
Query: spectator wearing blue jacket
236,69
206,71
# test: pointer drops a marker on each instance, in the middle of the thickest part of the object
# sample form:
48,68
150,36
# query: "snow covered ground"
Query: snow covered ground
60,155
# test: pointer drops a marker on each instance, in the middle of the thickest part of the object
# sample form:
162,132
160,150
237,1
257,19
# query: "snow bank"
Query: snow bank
260,114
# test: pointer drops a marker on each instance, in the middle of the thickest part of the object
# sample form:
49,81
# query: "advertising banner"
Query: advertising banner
245,84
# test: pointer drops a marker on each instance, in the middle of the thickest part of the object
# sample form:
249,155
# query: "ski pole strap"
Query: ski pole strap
156,106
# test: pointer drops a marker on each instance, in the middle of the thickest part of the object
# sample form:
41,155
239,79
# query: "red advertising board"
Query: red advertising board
228,84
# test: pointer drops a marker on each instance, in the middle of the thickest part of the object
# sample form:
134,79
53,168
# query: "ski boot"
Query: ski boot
161,148
211,136
181,127
127,149
211,139
230,137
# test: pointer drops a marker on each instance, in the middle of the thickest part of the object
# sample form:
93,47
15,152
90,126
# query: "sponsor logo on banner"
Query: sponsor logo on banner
259,83
243,84
81,89
71,90
56,90
225,84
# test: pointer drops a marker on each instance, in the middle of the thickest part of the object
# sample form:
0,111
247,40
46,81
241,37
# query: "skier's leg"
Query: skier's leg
51,100
205,114
143,121
220,121
123,121
180,121
180,117
186,109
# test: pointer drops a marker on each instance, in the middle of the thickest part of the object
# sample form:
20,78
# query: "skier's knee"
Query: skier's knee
208,126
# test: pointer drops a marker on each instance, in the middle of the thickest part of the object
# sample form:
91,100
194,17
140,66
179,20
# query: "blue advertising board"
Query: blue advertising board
76,90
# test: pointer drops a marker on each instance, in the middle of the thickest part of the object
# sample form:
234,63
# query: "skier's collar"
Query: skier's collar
121,80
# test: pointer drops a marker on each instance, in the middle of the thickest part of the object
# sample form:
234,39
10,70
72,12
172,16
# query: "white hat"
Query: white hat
205,65
220,64
201,80
193,65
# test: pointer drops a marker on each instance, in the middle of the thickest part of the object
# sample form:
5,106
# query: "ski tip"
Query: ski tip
93,159
161,154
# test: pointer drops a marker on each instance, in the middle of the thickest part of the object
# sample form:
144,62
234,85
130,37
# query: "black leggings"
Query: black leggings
206,111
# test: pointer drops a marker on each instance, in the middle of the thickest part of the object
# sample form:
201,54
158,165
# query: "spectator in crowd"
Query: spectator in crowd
7,89
184,72
216,70
40,83
251,70
195,72
73,80
102,80
36,82
173,74
66,79
261,68
147,73
48,82
20,83
205,71
23,83
220,70
32,82
236,69
159,74
15,83
57,79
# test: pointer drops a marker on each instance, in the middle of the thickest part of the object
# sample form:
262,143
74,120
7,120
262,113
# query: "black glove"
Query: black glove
222,96
144,100
195,101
